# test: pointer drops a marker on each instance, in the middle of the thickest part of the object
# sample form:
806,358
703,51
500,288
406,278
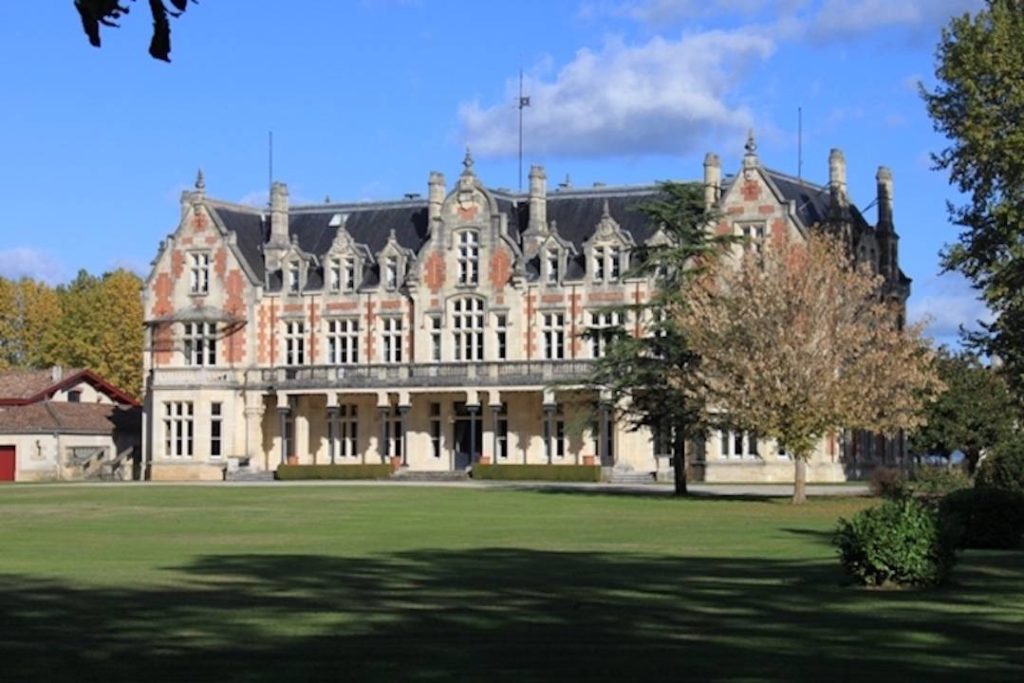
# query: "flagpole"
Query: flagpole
523,103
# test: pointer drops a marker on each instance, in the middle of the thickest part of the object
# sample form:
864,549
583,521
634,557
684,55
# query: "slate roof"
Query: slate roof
69,418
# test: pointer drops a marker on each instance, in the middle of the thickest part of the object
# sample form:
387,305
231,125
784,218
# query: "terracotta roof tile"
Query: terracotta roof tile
80,418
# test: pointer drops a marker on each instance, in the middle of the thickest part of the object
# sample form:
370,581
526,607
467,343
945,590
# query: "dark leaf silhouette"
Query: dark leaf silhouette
97,13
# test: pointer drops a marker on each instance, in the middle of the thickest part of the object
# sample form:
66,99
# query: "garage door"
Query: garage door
6,463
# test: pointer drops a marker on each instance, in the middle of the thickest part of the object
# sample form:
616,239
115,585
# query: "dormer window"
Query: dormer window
334,276
293,278
391,272
469,257
598,264
552,266
614,263
342,274
199,272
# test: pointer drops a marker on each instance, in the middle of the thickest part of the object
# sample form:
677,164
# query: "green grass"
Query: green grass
407,583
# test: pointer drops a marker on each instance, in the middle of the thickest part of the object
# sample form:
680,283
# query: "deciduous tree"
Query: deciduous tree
978,105
97,13
796,342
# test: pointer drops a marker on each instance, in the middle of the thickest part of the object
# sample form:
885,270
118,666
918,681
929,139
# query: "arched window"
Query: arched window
468,328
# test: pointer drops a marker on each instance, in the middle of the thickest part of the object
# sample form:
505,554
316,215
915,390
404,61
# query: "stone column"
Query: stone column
472,410
332,422
282,419
602,438
403,412
495,416
383,412
549,430
254,410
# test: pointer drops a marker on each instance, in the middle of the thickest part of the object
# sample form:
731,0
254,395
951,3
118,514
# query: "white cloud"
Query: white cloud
664,96
947,303
20,262
668,11
849,19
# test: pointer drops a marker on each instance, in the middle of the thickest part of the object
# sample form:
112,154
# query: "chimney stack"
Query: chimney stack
884,178
712,180
538,199
435,195
837,182
278,214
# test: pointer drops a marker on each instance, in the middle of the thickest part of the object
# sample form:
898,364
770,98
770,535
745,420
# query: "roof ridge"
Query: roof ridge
53,413
795,179
337,207
224,204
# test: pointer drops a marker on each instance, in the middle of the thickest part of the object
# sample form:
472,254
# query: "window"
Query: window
554,336
343,341
294,342
435,430
501,433
348,431
294,281
661,441
603,326
469,257
468,329
435,338
200,343
178,429
391,333
199,272
738,444
555,443
216,430
288,438
334,275
75,396
391,272
614,263
598,264
753,238
395,434
500,336
553,261
342,275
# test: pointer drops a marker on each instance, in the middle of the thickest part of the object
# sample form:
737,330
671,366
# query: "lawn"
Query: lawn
410,583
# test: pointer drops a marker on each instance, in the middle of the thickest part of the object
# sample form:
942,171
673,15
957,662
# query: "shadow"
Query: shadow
509,614
818,536
649,492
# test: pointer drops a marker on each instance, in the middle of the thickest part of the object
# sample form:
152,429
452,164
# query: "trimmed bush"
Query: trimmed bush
887,482
935,482
537,472
985,517
301,472
899,543
1004,467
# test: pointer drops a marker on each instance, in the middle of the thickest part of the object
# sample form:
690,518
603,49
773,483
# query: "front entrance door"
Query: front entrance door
6,463
469,436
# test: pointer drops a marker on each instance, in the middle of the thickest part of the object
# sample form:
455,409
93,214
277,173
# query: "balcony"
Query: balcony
195,377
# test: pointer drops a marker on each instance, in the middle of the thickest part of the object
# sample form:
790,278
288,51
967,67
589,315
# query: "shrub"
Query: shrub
900,542
537,472
985,517
935,482
887,482
1004,467
300,472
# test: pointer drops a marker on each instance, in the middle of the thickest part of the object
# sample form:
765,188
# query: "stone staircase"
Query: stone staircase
630,477
247,474
412,475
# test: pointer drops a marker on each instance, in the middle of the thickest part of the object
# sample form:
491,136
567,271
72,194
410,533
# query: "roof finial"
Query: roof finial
751,145
467,162
605,211
200,181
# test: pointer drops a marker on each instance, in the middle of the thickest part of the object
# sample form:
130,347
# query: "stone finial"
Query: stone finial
750,158
200,181
605,210
467,163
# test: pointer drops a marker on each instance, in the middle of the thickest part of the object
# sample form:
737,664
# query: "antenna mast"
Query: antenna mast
524,101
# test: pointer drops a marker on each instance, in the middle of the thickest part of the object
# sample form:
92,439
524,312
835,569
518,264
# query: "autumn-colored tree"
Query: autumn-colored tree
8,321
97,13
29,311
796,342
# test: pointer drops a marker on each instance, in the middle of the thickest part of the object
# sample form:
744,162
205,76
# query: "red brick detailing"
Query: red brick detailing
606,297
391,304
234,305
371,346
552,298
187,241
314,319
434,271
778,232
499,300
292,308
211,240
343,306
163,344
501,269
528,345
722,229
434,303
751,190
163,288
263,335
734,210
766,209
220,262
177,263
199,220
468,213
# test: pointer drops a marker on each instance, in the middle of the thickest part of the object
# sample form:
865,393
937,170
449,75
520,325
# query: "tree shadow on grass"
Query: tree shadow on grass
505,614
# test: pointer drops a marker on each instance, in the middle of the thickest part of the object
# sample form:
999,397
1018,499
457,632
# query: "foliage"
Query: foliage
306,472
96,13
796,343
935,482
977,106
589,473
887,482
985,517
1004,467
638,374
974,413
900,543
93,322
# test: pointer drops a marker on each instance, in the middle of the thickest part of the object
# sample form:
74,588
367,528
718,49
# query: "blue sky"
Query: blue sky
366,97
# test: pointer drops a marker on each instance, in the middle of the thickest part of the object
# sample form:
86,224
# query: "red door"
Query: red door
6,463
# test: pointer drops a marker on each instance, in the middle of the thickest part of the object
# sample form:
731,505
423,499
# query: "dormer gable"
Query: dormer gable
607,249
346,260
393,262
554,252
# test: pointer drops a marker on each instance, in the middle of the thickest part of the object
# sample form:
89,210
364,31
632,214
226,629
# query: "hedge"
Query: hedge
589,473
299,472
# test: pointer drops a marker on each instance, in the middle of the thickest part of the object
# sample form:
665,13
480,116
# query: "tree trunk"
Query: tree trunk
800,483
679,464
